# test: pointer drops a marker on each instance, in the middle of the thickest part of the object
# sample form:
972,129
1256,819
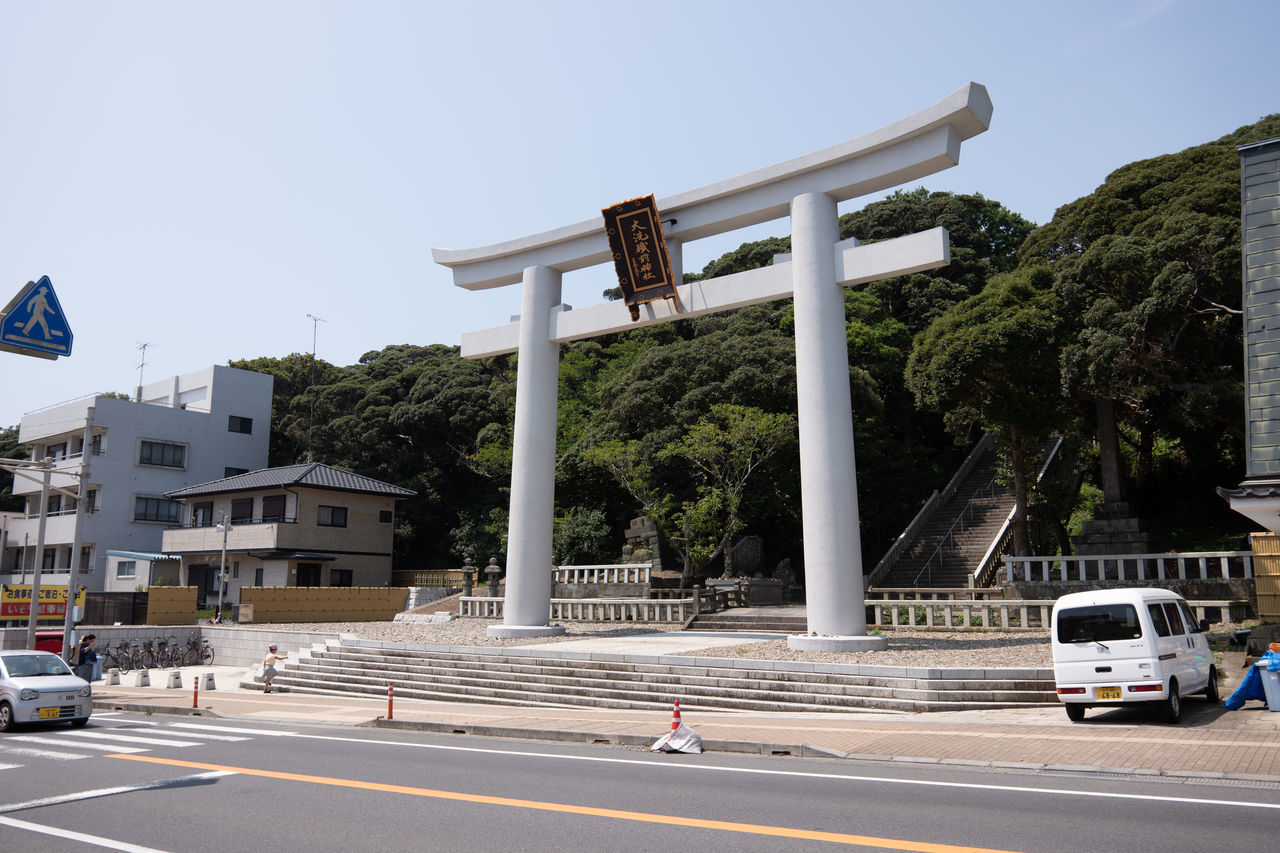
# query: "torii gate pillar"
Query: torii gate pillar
828,479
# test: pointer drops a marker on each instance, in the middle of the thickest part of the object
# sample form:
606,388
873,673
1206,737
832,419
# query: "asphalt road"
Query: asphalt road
133,782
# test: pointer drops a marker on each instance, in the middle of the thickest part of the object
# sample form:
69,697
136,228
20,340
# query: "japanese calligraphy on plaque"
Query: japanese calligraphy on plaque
640,253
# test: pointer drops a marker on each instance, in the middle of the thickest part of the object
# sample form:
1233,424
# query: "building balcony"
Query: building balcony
252,535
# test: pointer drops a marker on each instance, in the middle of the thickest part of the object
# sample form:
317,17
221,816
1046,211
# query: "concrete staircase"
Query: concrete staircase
525,677
953,542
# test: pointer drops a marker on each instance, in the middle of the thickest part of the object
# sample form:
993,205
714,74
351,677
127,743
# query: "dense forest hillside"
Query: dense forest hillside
1120,317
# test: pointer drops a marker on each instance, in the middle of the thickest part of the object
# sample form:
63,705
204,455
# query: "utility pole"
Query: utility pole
225,527
33,615
73,567
315,325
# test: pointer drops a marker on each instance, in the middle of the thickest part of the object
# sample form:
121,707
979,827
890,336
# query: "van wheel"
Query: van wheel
1211,689
1172,707
1075,712
6,717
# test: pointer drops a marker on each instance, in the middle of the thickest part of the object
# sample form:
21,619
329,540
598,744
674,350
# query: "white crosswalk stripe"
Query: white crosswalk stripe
26,752
108,735
105,747
154,741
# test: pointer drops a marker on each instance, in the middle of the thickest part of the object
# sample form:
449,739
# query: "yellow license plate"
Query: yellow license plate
48,713
1108,694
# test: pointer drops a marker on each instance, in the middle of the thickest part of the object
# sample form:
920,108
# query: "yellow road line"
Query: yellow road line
616,814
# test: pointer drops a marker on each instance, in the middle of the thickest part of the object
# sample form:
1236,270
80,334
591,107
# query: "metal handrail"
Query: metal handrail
989,565
936,500
951,532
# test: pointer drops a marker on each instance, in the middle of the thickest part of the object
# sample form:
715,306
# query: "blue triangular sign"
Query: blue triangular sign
34,321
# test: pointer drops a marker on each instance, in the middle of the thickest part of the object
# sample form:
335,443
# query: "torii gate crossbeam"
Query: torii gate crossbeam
807,188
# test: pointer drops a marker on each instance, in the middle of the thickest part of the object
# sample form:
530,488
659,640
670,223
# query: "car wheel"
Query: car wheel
1172,707
79,723
1075,712
1211,689
6,717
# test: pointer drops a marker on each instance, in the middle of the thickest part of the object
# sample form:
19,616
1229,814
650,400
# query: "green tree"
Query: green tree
1147,268
726,447
10,449
991,363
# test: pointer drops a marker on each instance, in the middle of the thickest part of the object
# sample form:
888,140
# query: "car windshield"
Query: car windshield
1099,623
33,666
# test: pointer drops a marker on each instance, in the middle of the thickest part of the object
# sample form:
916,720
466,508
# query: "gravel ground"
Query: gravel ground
970,649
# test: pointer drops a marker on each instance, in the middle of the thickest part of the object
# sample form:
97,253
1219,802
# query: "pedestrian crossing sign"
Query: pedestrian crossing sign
33,323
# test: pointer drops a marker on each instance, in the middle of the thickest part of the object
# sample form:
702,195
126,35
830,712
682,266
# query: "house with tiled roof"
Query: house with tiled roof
297,525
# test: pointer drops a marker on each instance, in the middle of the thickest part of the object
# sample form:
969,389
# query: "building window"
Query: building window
157,509
49,560
95,445
340,577
242,510
55,504
234,472
56,451
235,423
86,559
163,454
127,569
257,576
91,505
384,516
202,514
273,508
235,568
332,516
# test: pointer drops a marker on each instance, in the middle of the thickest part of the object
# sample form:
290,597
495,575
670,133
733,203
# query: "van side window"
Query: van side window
1175,618
1158,620
1193,626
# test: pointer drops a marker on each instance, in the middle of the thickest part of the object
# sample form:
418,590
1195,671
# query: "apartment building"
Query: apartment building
298,525
176,432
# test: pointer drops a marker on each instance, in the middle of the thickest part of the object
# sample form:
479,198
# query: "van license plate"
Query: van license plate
49,713
1108,694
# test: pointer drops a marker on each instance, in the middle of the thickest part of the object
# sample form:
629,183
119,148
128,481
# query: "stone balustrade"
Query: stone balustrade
595,609
1139,567
614,573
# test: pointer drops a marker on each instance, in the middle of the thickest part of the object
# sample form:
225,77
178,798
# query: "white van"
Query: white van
1115,646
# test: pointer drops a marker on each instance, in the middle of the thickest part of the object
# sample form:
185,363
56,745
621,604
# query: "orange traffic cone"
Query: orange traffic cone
675,717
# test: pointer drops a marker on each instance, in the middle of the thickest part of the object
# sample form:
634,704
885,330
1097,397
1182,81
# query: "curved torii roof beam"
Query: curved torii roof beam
903,151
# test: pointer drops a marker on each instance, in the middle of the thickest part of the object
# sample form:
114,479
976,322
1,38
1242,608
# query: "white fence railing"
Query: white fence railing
619,573
595,609
995,615
1140,567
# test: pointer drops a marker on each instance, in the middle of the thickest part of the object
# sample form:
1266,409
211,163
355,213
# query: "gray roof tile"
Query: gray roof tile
313,474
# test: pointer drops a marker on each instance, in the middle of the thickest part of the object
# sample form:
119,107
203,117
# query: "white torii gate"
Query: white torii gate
807,188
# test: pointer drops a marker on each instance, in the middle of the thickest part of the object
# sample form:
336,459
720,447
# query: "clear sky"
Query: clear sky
201,176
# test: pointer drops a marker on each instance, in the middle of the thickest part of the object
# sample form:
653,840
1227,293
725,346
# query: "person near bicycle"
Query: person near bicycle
86,657
269,667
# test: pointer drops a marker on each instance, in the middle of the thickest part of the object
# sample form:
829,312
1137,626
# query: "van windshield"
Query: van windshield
1099,622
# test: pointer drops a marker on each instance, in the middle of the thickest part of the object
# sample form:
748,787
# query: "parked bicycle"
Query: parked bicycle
168,654
121,657
197,651
145,658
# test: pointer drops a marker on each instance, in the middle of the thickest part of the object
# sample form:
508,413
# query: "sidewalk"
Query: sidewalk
1211,743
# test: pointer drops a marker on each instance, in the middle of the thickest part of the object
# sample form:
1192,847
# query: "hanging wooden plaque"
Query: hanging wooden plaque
640,253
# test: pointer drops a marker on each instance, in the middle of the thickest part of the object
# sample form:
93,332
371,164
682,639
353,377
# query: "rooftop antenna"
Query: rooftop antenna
142,346
315,325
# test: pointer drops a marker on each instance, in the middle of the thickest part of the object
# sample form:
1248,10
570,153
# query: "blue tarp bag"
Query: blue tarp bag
1251,687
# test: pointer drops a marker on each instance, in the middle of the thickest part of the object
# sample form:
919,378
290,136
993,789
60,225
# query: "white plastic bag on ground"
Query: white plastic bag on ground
681,739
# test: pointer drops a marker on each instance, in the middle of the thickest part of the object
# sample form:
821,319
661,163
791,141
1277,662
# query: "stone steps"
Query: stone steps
652,682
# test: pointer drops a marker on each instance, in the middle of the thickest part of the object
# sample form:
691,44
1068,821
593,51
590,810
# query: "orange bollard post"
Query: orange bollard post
390,693
195,694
